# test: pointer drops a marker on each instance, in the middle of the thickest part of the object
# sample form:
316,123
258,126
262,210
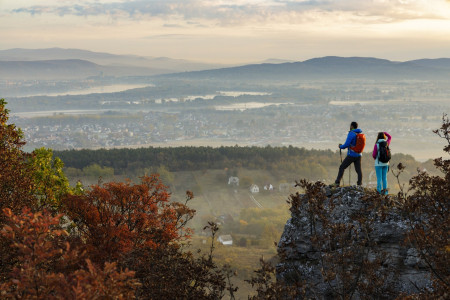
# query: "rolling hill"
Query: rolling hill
332,68
32,62
67,69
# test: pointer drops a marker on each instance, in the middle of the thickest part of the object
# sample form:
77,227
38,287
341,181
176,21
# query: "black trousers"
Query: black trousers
347,162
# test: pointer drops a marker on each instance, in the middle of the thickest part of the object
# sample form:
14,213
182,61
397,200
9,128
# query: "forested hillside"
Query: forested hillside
285,163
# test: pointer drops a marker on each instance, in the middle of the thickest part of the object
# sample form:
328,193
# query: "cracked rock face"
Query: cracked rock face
302,257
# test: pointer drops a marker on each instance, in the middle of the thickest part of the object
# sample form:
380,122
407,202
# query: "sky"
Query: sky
232,31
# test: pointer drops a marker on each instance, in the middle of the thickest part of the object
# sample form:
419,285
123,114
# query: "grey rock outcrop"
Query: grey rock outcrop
382,261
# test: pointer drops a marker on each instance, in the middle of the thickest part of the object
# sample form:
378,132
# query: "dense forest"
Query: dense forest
196,158
288,163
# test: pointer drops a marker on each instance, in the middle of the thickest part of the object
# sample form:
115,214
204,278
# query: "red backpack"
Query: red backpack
360,143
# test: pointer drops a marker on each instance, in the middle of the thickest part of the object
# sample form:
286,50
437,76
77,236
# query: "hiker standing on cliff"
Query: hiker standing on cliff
355,143
382,154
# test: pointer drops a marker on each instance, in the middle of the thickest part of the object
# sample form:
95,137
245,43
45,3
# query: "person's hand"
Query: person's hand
340,145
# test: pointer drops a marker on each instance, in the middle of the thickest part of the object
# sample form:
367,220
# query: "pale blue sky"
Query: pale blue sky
232,31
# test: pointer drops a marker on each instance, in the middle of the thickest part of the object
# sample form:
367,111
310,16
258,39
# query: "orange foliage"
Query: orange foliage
117,217
44,260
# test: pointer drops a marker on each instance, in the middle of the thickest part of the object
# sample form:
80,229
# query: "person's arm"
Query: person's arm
348,140
388,138
375,152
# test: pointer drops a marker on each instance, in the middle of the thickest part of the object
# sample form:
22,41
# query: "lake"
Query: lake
114,88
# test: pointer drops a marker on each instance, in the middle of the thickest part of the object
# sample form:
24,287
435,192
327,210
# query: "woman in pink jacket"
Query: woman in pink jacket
381,168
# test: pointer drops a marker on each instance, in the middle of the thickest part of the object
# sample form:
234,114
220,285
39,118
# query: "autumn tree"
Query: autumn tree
137,226
16,179
115,218
48,267
34,180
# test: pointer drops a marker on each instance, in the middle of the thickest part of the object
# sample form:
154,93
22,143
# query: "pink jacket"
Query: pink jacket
375,149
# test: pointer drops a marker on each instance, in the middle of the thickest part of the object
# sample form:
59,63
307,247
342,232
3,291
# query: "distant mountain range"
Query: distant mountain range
57,63
54,63
332,68
69,69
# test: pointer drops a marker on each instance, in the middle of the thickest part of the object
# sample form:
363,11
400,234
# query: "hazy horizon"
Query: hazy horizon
262,60
233,31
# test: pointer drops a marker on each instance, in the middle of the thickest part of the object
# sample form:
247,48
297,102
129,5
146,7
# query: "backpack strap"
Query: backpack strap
356,137
378,150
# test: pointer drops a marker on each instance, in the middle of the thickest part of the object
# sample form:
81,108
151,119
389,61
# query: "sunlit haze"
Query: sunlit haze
232,31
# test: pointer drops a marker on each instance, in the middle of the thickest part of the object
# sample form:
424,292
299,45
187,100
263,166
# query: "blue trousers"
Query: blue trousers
382,178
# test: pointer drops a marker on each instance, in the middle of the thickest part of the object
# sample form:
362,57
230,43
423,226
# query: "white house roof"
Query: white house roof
225,238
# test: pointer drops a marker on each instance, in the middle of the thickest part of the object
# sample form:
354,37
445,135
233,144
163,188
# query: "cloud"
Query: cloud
172,25
131,8
170,36
241,11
